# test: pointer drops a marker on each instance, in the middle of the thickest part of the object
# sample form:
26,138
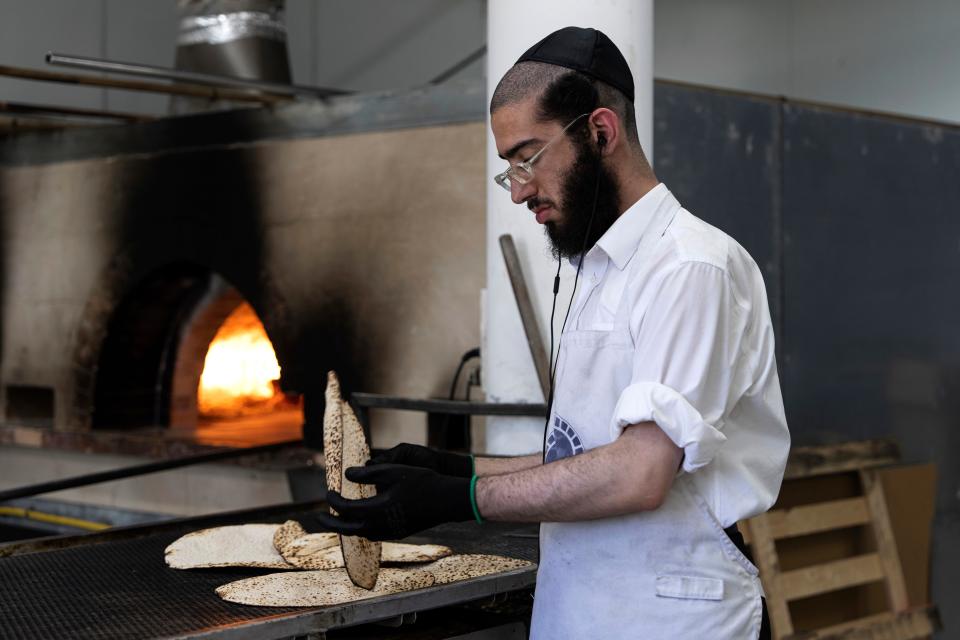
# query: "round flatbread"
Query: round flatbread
311,544
322,550
390,552
472,565
330,558
333,434
360,556
246,545
400,552
287,533
319,588
292,541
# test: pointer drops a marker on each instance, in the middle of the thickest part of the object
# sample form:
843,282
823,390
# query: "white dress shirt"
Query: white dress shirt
704,367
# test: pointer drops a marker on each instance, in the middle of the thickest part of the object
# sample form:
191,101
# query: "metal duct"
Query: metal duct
239,38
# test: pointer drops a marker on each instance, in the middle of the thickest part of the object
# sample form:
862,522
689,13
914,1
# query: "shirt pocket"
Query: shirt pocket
689,587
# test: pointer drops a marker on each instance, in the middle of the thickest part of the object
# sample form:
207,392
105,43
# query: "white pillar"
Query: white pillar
508,372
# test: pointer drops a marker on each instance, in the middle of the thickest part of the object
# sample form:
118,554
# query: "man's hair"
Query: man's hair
562,95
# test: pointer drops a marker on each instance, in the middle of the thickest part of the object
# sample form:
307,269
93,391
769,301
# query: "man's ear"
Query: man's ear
605,129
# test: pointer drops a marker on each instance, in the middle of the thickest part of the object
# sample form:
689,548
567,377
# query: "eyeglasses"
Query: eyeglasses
522,172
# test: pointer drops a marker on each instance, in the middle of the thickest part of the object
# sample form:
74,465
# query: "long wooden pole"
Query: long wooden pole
527,315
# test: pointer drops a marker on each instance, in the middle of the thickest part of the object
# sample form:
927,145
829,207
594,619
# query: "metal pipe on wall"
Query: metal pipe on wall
177,89
193,77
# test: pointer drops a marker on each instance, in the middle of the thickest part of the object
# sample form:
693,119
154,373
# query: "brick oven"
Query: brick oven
353,230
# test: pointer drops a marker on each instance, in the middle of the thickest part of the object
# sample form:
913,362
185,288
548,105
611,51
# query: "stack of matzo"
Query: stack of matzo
341,569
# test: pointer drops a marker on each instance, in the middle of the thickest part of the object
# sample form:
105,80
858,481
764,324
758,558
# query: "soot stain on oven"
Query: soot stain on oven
178,220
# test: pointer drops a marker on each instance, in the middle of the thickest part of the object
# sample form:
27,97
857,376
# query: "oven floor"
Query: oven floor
245,431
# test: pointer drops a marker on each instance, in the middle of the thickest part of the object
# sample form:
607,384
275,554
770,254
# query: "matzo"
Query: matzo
333,434
466,566
331,558
402,552
310,544
292,541
318,588
246,545
360,556
286,533
304,557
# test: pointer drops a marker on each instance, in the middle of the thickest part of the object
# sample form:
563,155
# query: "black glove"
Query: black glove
408,500
445,462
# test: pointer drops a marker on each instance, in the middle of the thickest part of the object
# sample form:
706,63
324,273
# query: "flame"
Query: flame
240,372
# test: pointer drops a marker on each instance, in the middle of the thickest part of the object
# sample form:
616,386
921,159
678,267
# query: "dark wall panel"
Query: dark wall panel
855,220
719,153
872,264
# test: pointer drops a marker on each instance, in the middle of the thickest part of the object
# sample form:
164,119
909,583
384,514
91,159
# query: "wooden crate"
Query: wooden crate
827,551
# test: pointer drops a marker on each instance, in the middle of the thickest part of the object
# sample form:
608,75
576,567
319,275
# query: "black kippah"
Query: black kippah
588,51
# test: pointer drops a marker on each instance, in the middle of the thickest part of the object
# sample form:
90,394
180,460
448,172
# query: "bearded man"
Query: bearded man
666,424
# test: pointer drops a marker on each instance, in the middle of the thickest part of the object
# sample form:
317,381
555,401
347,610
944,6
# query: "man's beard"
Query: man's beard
574,232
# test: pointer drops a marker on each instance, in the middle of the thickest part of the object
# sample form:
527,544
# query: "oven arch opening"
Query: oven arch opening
157,345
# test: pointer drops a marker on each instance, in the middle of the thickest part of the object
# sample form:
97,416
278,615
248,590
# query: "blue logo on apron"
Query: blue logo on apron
563,441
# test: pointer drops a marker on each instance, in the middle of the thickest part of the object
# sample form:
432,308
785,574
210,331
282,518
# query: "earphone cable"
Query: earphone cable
549,398
556,289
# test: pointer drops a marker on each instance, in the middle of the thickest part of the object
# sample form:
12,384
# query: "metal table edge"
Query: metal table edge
320,620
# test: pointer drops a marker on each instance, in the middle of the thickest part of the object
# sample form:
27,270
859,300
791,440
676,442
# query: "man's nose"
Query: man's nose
520,193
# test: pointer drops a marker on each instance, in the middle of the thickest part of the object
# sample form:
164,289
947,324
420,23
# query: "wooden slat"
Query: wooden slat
911,625
765,555
882,566
830,576
848,456
886,545
824,516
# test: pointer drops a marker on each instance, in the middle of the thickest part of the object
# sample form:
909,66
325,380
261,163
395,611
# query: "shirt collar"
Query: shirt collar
621,239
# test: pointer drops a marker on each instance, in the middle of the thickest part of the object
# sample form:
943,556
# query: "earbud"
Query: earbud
601,140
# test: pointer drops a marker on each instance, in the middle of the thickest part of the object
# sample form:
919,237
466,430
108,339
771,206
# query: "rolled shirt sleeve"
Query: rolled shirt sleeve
687,327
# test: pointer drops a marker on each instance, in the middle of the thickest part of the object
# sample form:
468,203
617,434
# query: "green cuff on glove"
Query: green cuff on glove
473,498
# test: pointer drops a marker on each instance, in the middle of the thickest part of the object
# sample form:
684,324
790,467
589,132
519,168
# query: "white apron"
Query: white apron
668,573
